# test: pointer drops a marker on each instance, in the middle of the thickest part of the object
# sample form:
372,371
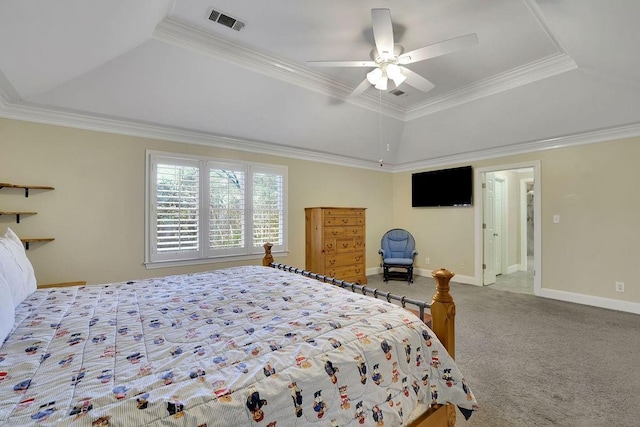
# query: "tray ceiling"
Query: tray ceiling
543,74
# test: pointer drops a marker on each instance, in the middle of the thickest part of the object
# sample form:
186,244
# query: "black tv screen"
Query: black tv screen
445,187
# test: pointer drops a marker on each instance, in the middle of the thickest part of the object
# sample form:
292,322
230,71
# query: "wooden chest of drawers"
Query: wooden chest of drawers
335,243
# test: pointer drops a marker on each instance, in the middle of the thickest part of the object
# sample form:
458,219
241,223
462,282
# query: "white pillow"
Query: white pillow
16,267
7,310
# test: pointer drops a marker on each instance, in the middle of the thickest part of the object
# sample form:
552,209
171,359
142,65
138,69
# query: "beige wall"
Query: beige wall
96,212
594,189
441,233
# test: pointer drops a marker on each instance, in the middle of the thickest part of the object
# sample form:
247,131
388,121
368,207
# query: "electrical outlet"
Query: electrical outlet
427,260
619,286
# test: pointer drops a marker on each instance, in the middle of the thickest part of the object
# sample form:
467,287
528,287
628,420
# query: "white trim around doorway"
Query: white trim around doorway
537,216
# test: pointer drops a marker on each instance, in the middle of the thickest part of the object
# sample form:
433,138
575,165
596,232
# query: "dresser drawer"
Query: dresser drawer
330,232
343,260
331,212
341,245
345,245
350,272
329,246
343,221
353,231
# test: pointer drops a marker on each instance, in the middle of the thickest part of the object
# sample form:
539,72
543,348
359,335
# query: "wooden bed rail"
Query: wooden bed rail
443,309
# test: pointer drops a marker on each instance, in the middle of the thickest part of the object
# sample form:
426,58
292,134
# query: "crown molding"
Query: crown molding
101,123
38,114
599,135
549,66
532,72
536,12
185,35
7,91
73,119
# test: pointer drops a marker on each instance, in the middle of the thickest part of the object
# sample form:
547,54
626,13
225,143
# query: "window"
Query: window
202,209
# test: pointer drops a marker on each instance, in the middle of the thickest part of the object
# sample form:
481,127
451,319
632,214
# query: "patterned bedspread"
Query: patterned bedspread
250,346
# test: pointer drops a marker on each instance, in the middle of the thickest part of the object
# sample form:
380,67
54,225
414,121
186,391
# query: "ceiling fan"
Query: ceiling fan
388,58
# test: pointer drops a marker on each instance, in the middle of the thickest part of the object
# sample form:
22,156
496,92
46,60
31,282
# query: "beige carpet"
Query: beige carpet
533,361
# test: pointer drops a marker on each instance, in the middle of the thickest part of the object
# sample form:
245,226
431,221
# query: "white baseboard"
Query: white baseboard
609,303
467,280
513,269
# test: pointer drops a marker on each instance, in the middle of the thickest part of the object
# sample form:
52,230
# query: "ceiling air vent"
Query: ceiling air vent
396,92
226,20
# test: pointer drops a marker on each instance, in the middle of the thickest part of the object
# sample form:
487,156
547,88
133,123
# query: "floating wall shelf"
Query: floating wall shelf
17,214
26,241
26,187
34,240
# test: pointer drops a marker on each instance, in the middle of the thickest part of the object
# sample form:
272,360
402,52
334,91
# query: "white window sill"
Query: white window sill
152,265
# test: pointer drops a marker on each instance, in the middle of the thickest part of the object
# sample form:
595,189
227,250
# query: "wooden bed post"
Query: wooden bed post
268,258
443,311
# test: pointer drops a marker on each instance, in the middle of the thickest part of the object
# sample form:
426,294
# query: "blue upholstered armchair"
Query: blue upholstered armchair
398,253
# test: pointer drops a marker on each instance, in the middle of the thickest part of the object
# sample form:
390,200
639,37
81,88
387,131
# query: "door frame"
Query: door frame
537,212
523,221
501,190
488,228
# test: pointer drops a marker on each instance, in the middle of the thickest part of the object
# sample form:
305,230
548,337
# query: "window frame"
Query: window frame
249,250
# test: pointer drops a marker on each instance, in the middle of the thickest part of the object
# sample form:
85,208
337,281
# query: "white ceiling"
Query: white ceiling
544,73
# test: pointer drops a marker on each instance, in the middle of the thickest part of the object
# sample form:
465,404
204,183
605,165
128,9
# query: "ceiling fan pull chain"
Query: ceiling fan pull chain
381,161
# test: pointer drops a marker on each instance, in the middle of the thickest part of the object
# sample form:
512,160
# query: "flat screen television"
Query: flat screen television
445,187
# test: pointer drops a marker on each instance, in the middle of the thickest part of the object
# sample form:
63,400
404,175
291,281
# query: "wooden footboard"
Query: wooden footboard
442,317
440,416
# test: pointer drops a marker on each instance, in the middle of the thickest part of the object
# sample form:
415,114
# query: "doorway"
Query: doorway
507,227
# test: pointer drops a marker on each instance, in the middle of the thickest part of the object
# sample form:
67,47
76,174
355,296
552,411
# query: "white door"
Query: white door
497,225
488,262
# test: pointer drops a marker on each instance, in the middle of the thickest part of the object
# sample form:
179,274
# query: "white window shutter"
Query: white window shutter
268,213
201,208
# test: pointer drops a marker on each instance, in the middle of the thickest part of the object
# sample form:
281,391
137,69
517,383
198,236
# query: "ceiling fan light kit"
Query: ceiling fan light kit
388,58
382,84
394,72
379,76
374,76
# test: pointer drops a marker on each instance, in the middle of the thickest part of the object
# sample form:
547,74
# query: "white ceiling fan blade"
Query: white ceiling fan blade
341,63
360,89
416,80
438,49
382,31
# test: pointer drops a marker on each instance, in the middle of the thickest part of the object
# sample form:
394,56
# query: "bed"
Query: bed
251,345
